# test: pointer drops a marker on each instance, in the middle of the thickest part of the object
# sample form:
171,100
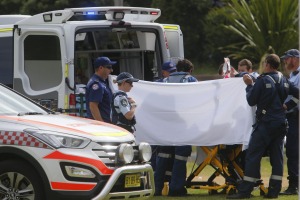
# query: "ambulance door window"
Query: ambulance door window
42,61
6,61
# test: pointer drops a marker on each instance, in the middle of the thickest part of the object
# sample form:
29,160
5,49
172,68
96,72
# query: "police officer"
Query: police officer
98,94
178,154
291,60
268,94
123,108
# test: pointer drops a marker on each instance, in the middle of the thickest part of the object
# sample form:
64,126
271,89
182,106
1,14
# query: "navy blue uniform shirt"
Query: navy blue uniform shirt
97,90
266,97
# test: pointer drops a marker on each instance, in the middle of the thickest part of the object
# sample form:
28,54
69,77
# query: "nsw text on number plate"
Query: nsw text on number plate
132,180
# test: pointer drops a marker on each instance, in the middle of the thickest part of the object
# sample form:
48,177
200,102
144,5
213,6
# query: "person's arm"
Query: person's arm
130,114
127,107
253,91
95,111
294,101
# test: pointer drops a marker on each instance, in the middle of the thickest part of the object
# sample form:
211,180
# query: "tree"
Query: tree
189,15
268,26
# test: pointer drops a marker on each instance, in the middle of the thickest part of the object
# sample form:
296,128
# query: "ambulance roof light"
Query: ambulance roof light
113,13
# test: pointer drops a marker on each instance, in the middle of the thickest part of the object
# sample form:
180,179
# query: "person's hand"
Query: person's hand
132,102
284,107
247,79
233,72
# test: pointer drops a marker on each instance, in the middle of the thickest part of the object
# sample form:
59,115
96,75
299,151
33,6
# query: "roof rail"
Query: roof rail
121,13
113,13
11,19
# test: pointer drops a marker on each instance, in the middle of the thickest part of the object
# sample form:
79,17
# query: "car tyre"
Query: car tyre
19,180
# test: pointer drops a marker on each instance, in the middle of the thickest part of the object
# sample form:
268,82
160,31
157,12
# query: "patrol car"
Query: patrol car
49,56
50,156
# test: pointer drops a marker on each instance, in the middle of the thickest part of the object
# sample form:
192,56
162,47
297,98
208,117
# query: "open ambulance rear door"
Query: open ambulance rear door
174,38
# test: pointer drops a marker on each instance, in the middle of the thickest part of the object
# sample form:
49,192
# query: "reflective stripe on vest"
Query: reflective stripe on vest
250,179
183,158
276,177
168,173
164,155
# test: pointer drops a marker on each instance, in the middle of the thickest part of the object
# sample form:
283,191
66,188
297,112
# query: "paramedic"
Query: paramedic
268,93
291,60
98,94
166,69
178,154
123,107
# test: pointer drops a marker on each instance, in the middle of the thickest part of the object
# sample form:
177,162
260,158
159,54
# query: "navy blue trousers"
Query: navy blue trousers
292,150
265,136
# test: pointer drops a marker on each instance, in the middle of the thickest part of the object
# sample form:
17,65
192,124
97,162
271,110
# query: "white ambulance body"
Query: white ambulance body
49,56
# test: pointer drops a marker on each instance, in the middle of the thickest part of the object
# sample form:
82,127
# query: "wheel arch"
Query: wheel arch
11,153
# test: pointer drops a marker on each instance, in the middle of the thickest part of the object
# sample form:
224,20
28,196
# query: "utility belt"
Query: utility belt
294,114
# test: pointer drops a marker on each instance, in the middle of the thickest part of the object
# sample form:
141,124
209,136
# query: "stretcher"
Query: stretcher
226,160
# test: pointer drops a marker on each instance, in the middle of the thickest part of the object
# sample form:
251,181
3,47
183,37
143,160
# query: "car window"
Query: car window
12,103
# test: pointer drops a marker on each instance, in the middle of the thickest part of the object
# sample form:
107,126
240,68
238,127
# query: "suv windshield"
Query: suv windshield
12,103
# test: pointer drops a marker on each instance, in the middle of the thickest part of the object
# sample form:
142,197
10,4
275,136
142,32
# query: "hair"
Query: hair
273,60
247,63
220,70
184,66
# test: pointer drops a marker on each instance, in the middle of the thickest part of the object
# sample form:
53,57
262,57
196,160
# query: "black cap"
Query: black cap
103,61
125,76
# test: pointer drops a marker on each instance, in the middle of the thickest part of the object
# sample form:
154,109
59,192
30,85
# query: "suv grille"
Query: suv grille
106,151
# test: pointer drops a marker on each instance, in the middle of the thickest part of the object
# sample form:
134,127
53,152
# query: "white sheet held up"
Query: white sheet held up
201,114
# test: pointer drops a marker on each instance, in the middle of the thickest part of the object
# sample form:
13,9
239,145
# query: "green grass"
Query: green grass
207,171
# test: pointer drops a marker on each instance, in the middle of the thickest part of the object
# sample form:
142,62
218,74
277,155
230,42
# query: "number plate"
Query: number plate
132,180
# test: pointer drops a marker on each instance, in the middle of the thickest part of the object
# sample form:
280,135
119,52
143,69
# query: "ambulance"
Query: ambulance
49,56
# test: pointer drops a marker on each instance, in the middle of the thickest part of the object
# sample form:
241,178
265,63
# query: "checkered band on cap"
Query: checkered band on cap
20,139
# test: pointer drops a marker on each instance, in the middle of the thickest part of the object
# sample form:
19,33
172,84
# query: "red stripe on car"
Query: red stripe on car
96,163
72,186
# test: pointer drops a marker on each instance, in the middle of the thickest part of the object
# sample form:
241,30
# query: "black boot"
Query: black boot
292,190
239,196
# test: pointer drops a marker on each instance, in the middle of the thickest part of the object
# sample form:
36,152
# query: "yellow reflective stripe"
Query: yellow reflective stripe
66,102
5,29
118,134
66,70
171,27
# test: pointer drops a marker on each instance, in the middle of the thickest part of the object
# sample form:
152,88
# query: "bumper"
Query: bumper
138,194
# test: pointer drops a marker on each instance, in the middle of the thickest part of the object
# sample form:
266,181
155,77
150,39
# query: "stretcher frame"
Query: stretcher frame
225,167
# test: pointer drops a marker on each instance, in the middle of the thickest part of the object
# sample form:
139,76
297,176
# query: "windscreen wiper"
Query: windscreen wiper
29,113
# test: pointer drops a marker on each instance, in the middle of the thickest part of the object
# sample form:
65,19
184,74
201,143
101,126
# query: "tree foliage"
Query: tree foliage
212,29
189,14
268,26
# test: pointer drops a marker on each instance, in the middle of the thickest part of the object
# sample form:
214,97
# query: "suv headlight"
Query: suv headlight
145,152
59,140
124,154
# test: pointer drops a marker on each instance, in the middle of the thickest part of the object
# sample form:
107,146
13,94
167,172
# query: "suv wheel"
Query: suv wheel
19,181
